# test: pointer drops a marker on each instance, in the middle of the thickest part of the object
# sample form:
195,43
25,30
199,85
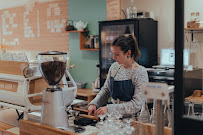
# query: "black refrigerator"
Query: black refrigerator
144,29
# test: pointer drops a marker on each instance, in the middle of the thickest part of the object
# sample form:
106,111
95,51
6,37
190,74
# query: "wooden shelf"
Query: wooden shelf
75,31
90,49
197,100
82,36
193,29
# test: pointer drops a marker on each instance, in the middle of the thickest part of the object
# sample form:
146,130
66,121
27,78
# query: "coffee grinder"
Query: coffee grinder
55,99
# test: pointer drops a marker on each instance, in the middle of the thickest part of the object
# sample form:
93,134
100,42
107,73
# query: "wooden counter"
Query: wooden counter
4,127
86,93
31,128
148,129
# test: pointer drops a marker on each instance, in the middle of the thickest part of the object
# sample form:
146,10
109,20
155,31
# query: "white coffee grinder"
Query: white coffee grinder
54,98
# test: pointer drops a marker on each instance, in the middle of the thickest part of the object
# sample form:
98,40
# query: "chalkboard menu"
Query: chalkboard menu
35,26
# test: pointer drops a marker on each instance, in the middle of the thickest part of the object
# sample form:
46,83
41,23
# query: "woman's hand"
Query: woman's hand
91,109
101,111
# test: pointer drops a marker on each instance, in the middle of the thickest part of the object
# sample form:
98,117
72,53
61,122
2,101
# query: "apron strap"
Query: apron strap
131,71
117,68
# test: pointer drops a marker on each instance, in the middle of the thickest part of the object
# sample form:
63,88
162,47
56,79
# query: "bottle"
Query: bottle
131,10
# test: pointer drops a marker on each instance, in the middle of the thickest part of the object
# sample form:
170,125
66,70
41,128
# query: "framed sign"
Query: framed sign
113,9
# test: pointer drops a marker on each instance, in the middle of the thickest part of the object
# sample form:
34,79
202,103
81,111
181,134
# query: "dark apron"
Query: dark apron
121,91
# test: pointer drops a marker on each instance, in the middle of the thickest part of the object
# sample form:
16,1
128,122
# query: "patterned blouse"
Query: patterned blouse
139,76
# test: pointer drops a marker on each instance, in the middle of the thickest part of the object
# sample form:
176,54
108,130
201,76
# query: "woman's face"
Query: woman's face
118,55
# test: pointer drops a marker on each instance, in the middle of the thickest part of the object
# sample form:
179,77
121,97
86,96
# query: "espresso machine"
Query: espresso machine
55,99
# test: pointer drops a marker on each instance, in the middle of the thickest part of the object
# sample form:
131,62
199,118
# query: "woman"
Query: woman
123,82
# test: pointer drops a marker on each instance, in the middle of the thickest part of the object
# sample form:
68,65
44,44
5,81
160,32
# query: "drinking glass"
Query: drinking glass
114,126
153,113
130,119
101,123
169,114
144,114
191,108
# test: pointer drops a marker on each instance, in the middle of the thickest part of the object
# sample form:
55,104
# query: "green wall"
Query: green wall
90,11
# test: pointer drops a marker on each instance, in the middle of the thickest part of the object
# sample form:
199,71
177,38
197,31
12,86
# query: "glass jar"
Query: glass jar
87,41
96,41
192,18
91,41
197,16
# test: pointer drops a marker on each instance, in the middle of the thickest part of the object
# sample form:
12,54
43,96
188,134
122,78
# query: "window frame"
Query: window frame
182,125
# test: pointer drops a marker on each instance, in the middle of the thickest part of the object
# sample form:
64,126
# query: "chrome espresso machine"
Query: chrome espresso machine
55,99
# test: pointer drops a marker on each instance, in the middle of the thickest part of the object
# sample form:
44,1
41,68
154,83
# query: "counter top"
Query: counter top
86,92
31,128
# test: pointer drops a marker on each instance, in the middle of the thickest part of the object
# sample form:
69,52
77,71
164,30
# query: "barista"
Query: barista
124,80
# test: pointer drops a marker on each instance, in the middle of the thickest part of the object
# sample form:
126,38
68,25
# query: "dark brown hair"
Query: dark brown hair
128,43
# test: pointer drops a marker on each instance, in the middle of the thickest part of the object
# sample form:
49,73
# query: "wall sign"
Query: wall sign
9,86
113,9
